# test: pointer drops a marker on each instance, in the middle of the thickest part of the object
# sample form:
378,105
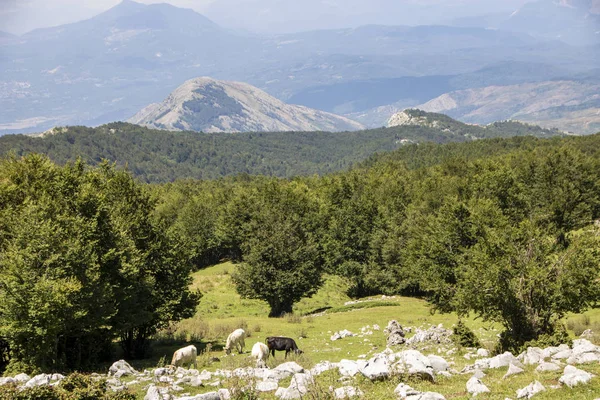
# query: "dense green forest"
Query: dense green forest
163,156
502,228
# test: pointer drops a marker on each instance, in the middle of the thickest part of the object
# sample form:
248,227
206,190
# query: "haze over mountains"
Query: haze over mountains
111,66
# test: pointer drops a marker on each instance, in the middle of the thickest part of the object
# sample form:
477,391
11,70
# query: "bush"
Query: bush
463,336
73,387
558,337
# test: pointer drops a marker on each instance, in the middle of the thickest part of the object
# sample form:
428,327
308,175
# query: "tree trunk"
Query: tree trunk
278,309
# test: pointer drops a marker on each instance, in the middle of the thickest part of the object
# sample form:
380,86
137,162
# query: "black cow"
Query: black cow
281,344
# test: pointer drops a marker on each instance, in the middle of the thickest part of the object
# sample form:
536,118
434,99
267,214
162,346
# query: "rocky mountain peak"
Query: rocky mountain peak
209,105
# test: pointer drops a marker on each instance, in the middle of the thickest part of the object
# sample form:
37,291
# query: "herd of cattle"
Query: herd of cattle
235,340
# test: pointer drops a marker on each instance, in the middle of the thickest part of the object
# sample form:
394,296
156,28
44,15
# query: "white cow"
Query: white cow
185,355
260,351
236,340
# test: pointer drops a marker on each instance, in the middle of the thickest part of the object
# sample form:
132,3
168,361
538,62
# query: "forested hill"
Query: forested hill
162,156
428,154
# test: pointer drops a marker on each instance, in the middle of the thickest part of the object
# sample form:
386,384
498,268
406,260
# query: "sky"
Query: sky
20,16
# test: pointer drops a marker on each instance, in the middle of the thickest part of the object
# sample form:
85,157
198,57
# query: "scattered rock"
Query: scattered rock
435,334
38,380
587,334
341,334
513,370
530,390
547,366
291,366
504,360
475,386
377,368
532,356
347,392
483,353
321,367
122,368
395,333
348,368
153,394
414,363
403,390
438,363
22,378
7,380
266,386
573,376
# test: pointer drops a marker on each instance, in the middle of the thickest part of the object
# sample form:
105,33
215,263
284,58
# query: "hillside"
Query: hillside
209,105
162,156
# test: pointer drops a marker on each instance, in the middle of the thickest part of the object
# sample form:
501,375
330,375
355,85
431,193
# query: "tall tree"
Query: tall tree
81,263
282,259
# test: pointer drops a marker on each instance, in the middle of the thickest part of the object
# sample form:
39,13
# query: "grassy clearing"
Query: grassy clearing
222,310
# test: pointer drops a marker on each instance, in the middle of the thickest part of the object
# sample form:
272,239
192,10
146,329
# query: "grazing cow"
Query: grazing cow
281,344
185,355
260,351
236,340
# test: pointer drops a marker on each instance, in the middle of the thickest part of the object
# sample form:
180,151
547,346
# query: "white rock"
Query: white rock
377,368
224,394
479,374
194,381
153,394
266,386
291,366
547,366
584,358
573,376
583,346
530,390
347,392
438,363
7,380
532,356
426,396
403,390
504,360
562,354
341,334
22,378
483,353
288,394
513,370
348,368
414,363
122,366
38,380
323,366
475,386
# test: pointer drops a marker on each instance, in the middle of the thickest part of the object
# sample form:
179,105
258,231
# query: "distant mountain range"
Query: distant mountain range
572,21
109,67
208,105
567,105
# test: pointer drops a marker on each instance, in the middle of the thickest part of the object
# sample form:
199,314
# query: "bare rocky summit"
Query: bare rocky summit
209,105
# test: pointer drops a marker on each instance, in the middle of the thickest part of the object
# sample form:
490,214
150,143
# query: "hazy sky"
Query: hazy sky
20,16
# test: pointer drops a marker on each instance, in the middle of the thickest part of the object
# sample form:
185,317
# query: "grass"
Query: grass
222,310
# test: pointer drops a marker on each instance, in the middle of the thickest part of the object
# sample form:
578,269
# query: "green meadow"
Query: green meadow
315,319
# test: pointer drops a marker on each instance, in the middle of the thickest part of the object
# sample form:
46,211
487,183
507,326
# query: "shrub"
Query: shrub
73,387
463,336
